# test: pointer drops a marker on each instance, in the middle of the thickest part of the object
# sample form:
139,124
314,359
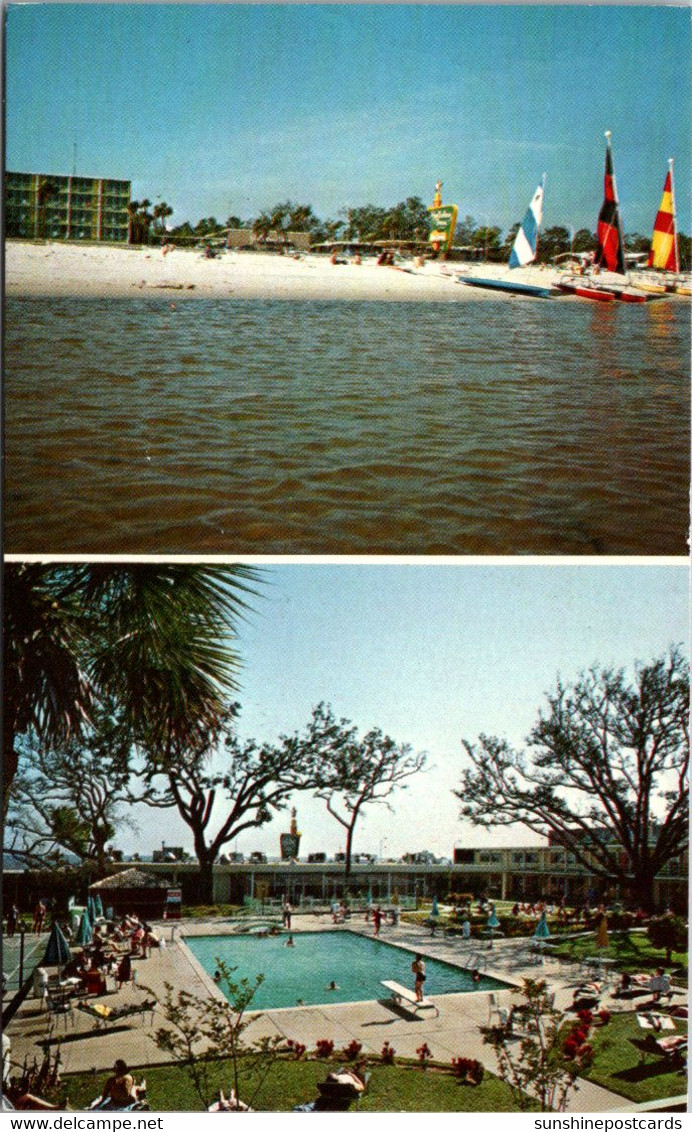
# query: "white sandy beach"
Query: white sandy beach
54,269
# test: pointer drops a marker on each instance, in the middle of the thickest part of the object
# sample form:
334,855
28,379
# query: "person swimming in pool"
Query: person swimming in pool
289,942
331,986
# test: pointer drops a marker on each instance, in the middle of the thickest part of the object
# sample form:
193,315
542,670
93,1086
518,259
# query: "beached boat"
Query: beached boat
610,253
664,255
585,290
508,285
523,253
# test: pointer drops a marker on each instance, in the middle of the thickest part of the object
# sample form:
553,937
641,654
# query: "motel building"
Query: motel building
511,873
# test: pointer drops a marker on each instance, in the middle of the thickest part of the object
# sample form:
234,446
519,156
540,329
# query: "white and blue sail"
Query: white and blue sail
526,243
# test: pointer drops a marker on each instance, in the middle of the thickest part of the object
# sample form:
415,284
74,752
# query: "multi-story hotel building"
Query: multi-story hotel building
44,206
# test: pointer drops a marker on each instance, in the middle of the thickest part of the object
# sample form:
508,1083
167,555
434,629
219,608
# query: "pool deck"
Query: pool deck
453,1032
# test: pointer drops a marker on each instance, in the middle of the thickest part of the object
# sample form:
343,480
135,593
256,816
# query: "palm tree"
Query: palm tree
152,636
261,227
161,211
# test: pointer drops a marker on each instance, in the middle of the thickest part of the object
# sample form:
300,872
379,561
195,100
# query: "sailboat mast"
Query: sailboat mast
675,222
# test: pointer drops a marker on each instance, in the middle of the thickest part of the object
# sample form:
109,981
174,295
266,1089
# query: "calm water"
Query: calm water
498,426
355,963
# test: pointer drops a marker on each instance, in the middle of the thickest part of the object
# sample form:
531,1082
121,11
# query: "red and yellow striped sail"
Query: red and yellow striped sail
664,245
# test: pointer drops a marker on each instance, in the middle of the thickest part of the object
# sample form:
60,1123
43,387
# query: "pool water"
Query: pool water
356,963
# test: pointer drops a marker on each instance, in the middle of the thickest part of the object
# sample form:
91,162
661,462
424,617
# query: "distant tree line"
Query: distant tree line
408,220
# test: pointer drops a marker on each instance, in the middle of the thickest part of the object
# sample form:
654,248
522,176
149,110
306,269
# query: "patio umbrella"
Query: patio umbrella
98,906
542,930
434,911
91,909
602,933
84,933
57,950
493,923
541,933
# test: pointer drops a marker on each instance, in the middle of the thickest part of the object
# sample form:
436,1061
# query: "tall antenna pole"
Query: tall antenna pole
74,159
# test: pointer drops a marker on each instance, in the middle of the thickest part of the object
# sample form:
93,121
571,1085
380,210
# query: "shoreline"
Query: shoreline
56,270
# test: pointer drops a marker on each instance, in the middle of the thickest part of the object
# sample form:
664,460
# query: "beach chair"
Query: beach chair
495,1010
105,1016
59,1006
337,1093
673,1048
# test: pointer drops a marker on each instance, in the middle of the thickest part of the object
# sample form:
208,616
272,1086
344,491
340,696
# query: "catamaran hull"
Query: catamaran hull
508,285
598,295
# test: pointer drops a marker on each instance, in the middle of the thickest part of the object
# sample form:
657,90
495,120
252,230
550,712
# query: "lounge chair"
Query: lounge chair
337,1092
673,1048
109,1015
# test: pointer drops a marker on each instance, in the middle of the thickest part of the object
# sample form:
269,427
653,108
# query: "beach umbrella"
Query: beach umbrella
57,950
434,911
602,933
84,933
98,906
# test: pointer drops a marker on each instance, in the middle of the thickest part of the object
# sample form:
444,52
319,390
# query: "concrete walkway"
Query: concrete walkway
454,1032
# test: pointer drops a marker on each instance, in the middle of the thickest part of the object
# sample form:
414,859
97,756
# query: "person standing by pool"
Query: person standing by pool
287,915
377,919
418,968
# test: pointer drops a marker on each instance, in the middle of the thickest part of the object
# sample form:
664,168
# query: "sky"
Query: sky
228,109
431,654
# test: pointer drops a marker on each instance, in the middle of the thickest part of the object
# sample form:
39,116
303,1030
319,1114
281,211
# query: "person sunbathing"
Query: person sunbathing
119,1090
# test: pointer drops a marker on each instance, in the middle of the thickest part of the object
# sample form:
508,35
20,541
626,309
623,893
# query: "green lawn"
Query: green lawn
391,1089
632,951
625,1063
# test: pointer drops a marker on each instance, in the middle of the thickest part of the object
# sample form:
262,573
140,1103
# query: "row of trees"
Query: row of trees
407,220
119,685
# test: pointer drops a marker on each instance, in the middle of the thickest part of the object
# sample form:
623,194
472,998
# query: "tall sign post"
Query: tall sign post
443,220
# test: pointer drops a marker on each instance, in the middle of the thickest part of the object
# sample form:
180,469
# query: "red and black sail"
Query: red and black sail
611,246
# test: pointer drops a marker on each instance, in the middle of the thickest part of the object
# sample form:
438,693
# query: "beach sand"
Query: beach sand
56,269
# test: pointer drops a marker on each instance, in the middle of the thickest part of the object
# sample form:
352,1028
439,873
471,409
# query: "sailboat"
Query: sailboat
523,252
664,254
610,252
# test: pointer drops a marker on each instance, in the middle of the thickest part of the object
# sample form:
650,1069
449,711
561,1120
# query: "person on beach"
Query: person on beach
418,968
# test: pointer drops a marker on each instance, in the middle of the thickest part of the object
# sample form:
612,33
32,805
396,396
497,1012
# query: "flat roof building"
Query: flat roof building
47,206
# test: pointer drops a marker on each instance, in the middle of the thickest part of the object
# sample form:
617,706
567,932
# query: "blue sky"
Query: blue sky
432,655
227,109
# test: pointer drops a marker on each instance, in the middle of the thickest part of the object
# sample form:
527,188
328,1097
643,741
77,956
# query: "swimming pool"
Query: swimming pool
354,962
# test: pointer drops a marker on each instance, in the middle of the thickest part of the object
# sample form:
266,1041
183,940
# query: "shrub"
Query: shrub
469,1069
325,1048
604,1016
668,933
296,1049
352,1050
387,1054
586,1017
585,1055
